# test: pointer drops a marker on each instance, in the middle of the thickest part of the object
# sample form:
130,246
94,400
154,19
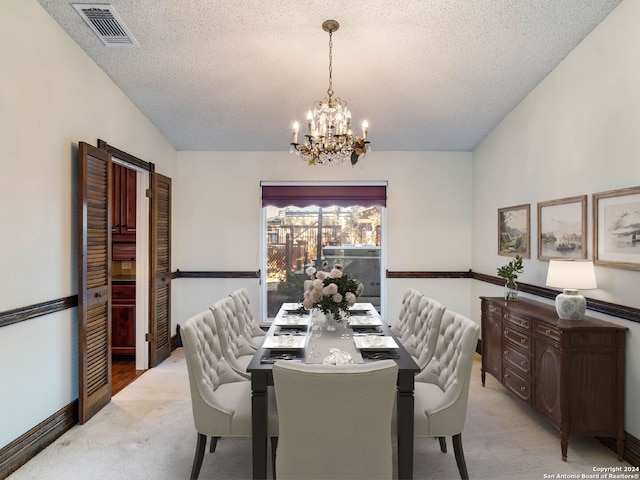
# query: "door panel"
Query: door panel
160,327
94,280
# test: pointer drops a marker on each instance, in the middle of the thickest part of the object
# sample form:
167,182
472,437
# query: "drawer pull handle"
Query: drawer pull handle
506,353
506,375
99,294
523,363
506,333
522,389
547,331
523,323
506,315
523,341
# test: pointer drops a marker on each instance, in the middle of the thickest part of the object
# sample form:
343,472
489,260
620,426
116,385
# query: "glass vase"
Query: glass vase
331,322
511,292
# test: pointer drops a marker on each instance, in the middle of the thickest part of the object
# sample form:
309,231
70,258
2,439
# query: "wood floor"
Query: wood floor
123,372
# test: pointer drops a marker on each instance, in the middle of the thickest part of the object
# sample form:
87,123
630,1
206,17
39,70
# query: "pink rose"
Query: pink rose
335,273
350,298
337,298
321,275
330,289
307,303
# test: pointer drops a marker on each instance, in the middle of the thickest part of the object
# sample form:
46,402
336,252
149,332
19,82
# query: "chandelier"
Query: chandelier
329,140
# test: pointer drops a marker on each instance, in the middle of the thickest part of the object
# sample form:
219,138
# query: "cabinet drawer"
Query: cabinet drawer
548,331
515,357
123,292
123,251
520,386
517,337
517,320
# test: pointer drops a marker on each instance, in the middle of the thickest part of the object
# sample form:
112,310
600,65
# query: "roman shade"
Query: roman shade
324,195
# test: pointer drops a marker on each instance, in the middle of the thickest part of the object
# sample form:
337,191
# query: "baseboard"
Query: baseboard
631,448
24,448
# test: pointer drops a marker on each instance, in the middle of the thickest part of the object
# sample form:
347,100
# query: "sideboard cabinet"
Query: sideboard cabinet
572,372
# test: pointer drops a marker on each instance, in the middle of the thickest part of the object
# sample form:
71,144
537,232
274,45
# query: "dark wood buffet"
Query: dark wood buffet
572,372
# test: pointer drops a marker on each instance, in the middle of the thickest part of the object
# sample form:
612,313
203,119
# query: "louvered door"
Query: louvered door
160,327
94,280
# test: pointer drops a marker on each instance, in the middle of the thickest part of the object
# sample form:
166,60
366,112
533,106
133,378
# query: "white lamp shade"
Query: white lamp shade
571,274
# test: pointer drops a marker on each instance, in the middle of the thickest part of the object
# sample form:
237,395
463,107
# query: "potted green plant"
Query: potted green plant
510,273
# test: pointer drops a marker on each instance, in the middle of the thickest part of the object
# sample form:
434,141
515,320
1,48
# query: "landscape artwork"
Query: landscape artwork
513,231
617,228
562,228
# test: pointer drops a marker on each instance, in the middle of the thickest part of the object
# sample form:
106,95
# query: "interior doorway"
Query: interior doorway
130,267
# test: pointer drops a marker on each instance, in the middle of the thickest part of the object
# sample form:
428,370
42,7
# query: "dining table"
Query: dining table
361,337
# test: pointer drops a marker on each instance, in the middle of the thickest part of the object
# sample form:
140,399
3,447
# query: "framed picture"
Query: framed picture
616,228
562,228
513,231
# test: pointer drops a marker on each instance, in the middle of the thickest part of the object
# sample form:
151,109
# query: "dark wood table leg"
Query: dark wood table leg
405,425
259,413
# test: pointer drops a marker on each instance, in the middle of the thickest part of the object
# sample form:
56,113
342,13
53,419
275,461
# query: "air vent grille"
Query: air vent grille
106,24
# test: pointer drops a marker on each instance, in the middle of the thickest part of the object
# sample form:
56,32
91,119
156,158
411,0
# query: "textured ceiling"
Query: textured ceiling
426,74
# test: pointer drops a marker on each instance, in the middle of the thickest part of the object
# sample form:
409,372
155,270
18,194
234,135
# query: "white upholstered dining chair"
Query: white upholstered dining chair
335,420
403,328
248,324
442,387
422,342
220,398
236,349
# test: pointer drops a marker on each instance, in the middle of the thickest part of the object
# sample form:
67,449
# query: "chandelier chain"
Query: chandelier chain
330,90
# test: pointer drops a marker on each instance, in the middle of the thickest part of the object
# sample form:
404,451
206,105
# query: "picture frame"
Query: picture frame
562,228
514,231
616,228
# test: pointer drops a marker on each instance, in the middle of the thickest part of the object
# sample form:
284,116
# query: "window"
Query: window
321,225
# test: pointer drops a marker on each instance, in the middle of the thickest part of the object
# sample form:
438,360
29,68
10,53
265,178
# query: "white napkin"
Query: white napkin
337,357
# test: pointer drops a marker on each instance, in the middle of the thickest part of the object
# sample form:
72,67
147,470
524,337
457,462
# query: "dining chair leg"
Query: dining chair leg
197,460
274,448
443,444
214,444
457,448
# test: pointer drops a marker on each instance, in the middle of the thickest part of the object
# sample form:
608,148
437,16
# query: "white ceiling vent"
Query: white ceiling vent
106,24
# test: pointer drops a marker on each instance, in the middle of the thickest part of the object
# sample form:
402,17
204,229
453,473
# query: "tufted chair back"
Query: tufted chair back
426,331
234,345
207,371
407,316
250,328
335,420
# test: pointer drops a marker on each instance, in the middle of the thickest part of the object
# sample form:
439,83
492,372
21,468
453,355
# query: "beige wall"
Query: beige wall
577,133
218,215
51,97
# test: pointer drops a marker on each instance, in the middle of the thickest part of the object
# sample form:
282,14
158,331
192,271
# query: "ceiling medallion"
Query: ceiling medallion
329,141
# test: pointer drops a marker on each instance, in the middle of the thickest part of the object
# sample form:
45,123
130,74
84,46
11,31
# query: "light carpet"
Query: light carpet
147,432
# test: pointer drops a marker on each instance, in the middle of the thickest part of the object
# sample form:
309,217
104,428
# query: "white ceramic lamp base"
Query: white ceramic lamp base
570,305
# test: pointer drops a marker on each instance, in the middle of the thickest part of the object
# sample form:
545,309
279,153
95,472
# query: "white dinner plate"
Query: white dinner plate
291,319
279,342
386,343
357,321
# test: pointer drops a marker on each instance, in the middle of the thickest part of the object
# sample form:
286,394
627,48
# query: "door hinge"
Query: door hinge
147,337
148,193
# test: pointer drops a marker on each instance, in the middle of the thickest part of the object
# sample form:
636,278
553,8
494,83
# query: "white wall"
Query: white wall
577,133
51,97
217,217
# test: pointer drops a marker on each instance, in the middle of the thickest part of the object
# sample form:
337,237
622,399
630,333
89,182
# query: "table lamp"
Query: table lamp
571,276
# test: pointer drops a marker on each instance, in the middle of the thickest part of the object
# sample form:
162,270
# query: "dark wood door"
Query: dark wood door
160,327
94,280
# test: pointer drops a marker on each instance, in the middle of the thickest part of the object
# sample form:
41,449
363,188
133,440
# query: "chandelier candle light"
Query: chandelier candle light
329,140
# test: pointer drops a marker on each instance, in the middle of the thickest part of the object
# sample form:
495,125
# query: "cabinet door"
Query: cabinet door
492,345
123,334
128,203
547,385
115,198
